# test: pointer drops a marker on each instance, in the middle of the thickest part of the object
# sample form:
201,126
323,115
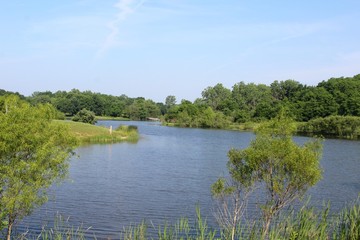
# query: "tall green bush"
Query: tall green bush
85,116
333,126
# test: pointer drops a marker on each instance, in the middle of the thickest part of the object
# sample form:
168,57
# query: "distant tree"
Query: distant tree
85,116
198,114
315,102
40,97
7,93
33,154
241,116
115,108
217,97
346,92
170,101
152,108
335,126
142,109
64,105
285,90
250,100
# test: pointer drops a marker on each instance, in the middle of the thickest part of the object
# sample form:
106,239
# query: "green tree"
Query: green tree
41,97
142,109
115,108
170,101
152,109
275,161
346,92
315,102
248,97
85,116
34,151
285,89
217,97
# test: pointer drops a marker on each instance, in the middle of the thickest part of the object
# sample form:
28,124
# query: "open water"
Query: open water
166,174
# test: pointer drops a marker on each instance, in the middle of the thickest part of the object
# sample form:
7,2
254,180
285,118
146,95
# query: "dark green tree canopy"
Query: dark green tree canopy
242,103
85,116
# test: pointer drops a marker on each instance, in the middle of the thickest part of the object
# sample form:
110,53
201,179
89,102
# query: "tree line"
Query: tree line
219,106
72,102
257,102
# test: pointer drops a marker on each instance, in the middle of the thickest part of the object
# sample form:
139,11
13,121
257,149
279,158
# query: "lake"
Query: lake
166,174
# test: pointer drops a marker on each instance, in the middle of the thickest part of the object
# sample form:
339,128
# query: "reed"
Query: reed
306,223
61,230
348,223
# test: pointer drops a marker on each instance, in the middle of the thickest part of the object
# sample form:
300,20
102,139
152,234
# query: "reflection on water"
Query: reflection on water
168,172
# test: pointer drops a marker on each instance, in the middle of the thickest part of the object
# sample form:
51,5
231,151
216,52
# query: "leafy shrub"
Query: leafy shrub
85,116
336,126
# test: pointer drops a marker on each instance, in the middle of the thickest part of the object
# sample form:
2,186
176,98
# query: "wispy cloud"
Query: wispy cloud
125,8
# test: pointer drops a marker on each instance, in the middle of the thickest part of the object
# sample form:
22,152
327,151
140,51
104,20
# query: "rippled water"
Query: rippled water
166,174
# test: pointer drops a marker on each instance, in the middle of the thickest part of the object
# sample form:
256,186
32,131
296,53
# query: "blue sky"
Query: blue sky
156,48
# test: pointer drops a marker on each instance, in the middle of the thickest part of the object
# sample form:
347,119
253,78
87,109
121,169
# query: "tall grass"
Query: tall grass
348,223
180,230
310,223
87,133
61,230
306,223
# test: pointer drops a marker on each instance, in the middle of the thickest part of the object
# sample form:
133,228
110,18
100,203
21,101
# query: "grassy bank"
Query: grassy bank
87,133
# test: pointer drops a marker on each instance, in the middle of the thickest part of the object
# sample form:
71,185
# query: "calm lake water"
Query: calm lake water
166,174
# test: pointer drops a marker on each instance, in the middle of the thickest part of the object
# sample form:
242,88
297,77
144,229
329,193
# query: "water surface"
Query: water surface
166,174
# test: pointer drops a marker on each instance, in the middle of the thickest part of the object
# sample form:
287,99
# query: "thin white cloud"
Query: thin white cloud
125,8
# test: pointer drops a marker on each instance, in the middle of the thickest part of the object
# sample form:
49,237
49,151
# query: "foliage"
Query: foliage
335,126
314,103
346,92
73,101
274,161
285,90
142,109
85,116
33,154
170,101
7,93
188,114
243,102
258,102
217,98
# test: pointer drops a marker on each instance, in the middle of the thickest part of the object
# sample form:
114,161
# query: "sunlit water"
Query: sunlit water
166,174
